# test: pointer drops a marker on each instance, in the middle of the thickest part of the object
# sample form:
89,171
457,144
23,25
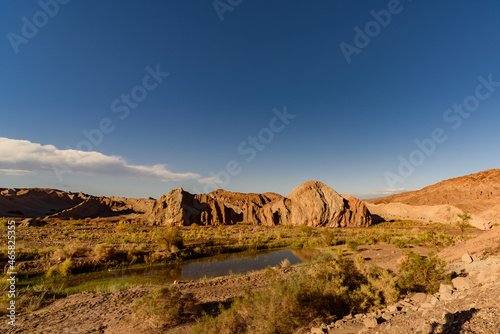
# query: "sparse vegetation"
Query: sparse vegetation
75,240
419,273
285,264
167,307
336,288
307,230
170,239
463,223
64,268
104,252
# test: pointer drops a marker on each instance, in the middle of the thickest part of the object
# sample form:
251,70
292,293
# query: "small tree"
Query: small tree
465,217
170,239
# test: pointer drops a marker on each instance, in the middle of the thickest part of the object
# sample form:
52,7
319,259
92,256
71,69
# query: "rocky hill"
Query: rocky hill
472,192
37,202
42,202
477,194
312,203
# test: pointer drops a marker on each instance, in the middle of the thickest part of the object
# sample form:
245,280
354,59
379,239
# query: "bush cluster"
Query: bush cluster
335,288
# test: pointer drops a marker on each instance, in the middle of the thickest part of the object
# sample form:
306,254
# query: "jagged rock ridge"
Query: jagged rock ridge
312,203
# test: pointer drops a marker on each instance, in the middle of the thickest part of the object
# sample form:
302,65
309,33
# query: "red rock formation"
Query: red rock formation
312,203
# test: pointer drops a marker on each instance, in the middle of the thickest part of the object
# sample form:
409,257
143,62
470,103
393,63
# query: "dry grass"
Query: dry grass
335,288
104,252
167,307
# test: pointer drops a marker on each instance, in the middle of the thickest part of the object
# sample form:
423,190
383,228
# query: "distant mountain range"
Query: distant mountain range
312,203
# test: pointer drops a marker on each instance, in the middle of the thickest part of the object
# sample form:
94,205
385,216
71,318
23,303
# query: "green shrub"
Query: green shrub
51,271
328,237
63,268
352,244
170,239
307,230
419,273
167,307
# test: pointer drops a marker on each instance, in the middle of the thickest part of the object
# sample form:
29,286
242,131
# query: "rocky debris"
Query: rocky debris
29,222
471,303
467,258
484,245
420,298
312,203
319,330
370,322
462,283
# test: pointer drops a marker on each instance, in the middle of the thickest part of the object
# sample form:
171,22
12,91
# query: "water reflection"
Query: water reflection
237,264
220,265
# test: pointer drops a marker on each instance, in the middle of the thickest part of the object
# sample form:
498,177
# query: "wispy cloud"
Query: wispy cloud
387,192
21,157
17,172
381,193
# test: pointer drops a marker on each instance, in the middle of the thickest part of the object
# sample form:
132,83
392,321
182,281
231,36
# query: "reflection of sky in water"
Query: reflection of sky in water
215,266
237,265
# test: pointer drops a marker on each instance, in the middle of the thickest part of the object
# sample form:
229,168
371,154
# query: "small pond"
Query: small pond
209,267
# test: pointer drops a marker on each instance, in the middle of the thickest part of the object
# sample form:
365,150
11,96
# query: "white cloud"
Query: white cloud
210,180
16,172
23,157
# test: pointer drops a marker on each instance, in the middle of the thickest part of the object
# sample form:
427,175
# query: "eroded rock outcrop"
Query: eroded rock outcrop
312,203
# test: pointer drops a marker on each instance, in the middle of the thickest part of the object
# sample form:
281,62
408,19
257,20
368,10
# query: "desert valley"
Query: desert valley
312,261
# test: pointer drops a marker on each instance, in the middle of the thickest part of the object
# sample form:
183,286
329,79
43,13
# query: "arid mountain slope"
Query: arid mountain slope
473,193
477,194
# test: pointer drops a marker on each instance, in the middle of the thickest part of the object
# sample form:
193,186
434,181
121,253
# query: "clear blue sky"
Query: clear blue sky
86,66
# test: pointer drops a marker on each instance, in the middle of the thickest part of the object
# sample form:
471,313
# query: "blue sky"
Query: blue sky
171,95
